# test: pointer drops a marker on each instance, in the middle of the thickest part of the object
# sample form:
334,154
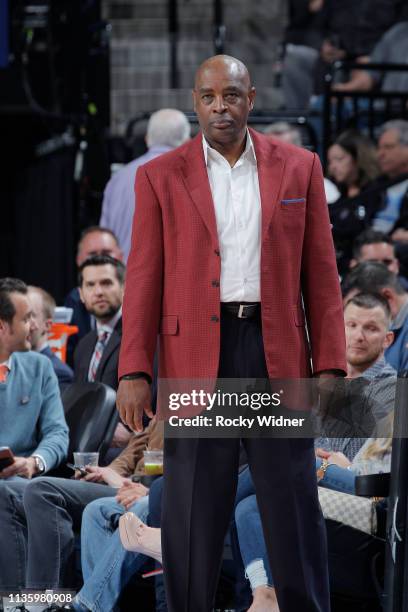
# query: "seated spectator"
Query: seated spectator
369,277
42,308
32,423
167,129
94,240
339,474
390,210
303,39
284,131
292,134
372,245
367,319
352,163
392,48
101,284
52,510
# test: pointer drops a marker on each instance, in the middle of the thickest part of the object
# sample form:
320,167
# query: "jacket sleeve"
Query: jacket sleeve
143,290
52,427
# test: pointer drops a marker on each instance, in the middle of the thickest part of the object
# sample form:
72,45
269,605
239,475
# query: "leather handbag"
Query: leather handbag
357,512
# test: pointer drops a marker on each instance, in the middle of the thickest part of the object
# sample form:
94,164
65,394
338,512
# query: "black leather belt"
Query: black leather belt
242,311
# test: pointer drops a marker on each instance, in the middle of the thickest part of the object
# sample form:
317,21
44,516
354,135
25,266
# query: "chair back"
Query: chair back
91,415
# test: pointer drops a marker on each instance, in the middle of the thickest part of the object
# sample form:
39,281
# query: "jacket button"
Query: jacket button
216,251
215,319
215,283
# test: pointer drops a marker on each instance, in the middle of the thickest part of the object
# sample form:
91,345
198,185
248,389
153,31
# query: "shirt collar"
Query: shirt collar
110,325
374,370
248,153
7,363
400,318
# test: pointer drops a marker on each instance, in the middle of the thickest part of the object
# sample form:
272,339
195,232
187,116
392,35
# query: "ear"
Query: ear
251,96
389,339
353,263
81,295
193,94
48,325
387,293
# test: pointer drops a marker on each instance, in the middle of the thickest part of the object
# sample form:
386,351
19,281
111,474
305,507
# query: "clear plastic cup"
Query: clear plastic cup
153,462
83,459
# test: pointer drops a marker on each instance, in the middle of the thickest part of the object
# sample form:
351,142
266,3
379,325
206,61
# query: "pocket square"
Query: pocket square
293,201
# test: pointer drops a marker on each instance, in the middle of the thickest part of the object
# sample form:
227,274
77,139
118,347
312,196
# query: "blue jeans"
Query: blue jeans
337,478
248,521
106,566
250,534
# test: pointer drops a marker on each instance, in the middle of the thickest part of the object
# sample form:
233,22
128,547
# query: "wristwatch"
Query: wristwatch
322,470
39,464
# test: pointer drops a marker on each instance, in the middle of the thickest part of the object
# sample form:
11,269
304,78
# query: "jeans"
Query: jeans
337,478
250,534
248,521
13,549
39,518
106,566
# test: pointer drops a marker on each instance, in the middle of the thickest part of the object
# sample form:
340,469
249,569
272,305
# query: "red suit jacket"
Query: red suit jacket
173,274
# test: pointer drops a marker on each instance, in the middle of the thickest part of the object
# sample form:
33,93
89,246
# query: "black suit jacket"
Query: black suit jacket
107,371
64,373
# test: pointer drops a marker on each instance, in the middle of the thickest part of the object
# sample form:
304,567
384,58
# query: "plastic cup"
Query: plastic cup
153,462
83,459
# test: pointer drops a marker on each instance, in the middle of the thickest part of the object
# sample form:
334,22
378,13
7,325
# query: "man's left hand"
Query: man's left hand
22,466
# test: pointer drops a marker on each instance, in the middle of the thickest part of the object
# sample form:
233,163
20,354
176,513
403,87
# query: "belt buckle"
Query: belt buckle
241,312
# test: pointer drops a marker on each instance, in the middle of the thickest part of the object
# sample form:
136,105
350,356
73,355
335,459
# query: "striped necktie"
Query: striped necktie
97,354
4,370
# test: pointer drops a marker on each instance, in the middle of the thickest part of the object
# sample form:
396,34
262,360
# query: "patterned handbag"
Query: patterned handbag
357,512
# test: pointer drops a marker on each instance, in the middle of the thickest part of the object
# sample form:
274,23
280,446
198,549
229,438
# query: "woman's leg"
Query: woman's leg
115,565
337,478
254,555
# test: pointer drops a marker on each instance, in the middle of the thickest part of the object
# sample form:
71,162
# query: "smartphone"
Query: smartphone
81,470
6,457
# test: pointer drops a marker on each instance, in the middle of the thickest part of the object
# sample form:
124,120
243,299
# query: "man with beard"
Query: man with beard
101,281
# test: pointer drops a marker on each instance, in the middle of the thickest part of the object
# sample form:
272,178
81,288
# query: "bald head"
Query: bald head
223,97
223,63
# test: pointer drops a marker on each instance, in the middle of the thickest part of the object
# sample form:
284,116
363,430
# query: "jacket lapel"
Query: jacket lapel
87,347
196,179
270,175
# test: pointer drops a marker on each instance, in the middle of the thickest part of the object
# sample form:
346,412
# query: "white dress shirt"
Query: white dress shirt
237,203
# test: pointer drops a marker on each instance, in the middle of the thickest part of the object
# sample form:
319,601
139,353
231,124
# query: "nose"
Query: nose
33,325
219,104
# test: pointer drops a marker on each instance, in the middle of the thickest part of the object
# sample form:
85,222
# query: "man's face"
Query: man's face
222,99
98,243
381,252
392,155
367,334
15,336
40,324
101,291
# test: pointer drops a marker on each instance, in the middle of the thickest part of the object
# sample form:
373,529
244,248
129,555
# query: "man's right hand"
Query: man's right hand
133,398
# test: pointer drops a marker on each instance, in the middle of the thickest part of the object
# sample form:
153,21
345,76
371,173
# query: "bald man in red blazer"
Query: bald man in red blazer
173,291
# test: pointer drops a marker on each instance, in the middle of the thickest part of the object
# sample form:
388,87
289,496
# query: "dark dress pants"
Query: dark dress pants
199,491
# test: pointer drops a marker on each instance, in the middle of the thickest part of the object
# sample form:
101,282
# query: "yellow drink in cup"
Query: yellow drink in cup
153,462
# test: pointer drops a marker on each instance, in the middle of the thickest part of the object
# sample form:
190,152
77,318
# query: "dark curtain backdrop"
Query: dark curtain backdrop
43,246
